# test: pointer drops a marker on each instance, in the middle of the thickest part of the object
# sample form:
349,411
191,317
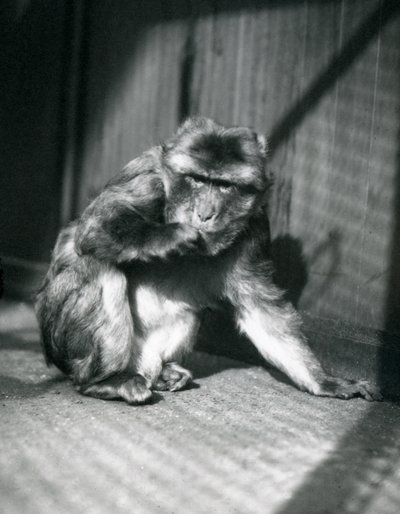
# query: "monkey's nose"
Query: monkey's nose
206,216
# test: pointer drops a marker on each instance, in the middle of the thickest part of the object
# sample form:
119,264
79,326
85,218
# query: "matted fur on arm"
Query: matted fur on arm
125,222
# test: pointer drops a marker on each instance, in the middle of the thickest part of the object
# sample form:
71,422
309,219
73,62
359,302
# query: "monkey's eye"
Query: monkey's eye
195,180
224,187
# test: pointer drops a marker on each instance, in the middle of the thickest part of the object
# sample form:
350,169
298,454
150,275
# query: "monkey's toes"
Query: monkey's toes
135,391
346,389
368,391
172,378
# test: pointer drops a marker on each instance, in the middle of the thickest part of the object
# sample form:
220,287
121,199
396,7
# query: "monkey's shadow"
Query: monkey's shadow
203,365
219,337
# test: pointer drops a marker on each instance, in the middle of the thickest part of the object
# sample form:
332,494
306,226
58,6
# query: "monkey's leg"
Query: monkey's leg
87,329
275,331
114,375
173,333
162,347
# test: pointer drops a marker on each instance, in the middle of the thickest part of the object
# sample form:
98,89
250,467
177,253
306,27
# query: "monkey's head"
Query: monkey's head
214,179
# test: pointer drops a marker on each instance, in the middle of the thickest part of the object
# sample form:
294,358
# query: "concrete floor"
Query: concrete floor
239,441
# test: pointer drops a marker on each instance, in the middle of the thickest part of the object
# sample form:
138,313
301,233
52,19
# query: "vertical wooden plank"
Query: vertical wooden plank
248,72
350,176
374,286
329,192
133,86
69,119
31,60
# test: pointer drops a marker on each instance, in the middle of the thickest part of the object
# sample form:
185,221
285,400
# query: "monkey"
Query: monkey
182,228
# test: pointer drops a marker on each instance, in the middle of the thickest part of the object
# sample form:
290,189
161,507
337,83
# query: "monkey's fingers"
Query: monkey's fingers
346,389
368,391
186,239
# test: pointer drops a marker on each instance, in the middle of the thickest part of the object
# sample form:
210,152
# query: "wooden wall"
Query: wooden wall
31,93
32,37
320,77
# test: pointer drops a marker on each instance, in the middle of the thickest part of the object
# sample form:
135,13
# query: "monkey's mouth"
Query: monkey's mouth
207,231
204,229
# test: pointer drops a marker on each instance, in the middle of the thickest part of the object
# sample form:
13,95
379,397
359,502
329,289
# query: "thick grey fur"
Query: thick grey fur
182,228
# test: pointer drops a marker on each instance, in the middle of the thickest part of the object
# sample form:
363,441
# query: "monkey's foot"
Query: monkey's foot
346,389
133,390
172,378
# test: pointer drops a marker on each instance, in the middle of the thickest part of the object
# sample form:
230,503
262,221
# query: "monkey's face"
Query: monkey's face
214,179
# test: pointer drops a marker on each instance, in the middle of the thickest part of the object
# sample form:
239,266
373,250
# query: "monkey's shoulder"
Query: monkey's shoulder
145,167
138,188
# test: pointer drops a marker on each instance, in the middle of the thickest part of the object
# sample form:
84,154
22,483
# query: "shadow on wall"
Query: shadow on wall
349,480
340,63
291,271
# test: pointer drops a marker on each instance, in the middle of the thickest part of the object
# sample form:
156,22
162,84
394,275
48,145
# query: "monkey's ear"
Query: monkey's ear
262,144
196,123
167,146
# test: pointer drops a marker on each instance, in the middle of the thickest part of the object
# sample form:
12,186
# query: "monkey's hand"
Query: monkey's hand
346,389
181,239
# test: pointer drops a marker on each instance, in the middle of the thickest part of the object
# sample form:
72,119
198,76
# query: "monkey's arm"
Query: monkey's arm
125,222
274,327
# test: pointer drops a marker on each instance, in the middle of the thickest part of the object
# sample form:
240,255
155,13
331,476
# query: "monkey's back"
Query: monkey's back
74,319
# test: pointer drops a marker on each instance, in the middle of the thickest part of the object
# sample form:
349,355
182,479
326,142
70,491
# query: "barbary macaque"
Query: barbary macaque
182,228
